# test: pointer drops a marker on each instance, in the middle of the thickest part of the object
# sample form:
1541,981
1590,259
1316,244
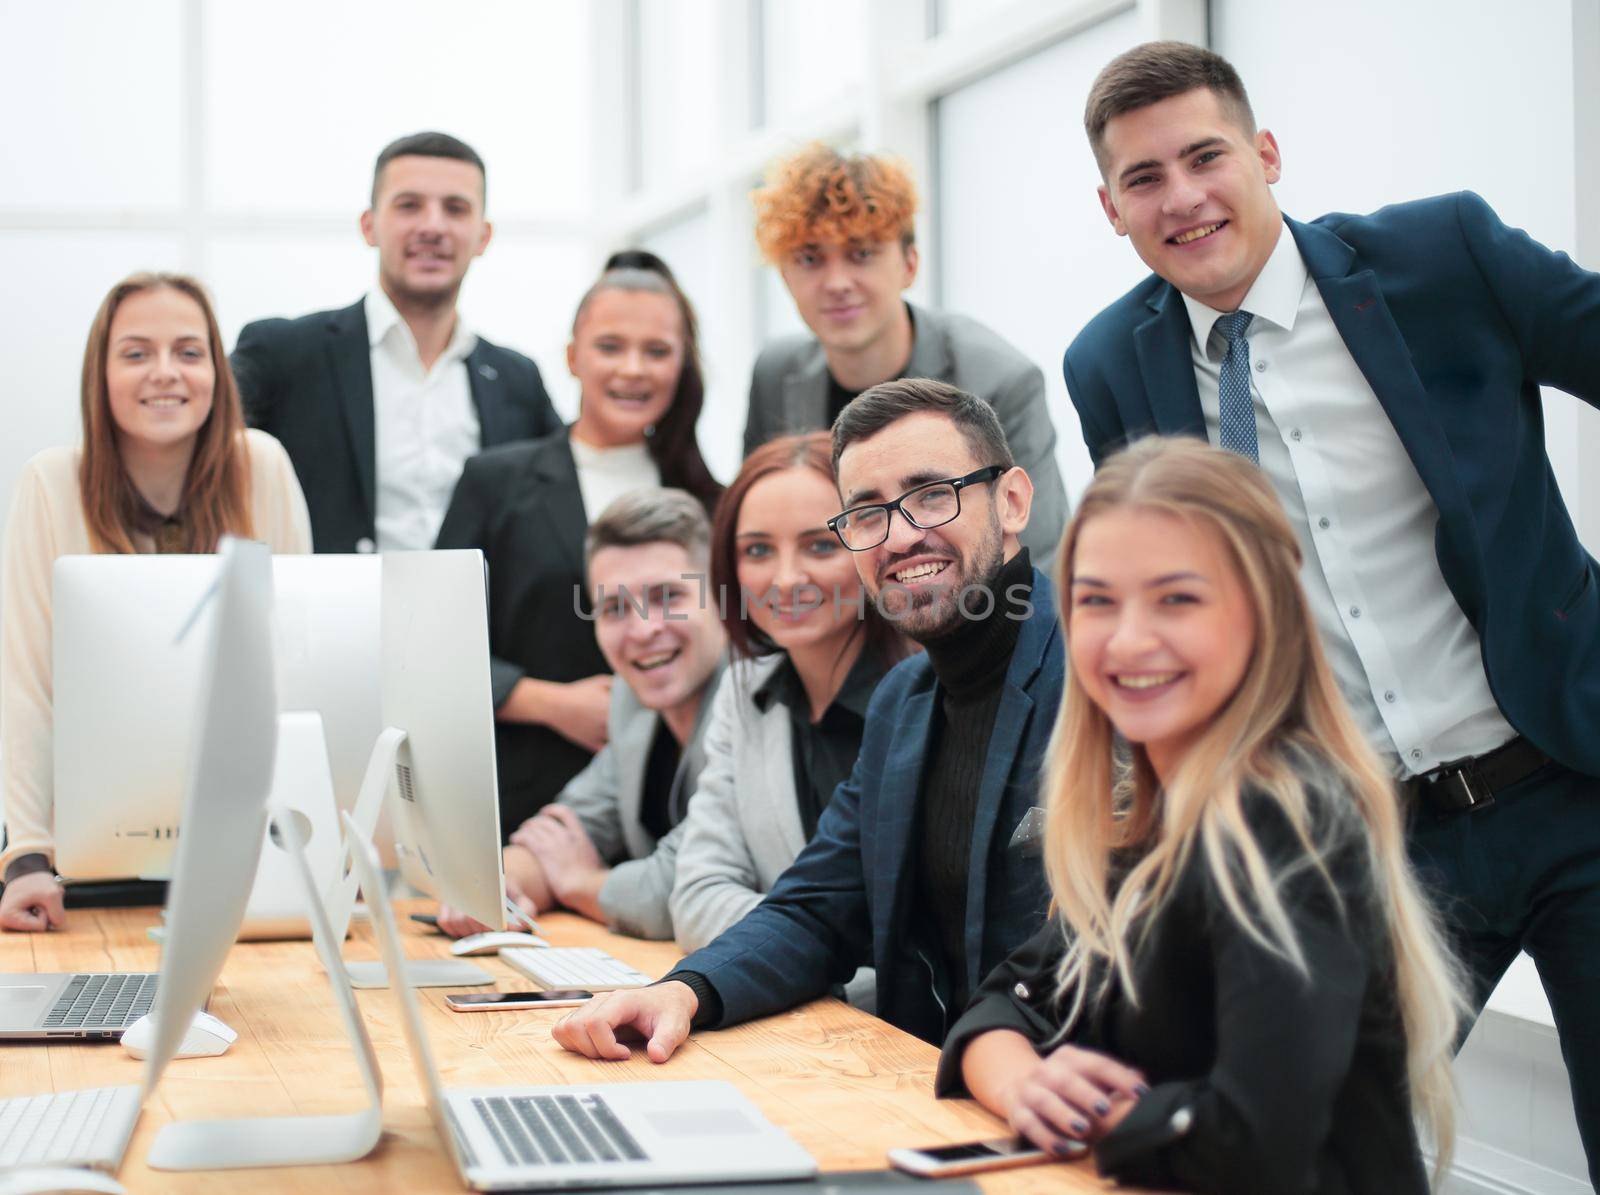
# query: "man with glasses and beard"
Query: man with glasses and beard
925,864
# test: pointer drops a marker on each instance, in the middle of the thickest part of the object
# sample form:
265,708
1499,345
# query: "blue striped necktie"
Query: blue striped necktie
1236,412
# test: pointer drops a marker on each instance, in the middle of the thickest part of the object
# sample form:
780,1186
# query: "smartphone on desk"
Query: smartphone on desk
491,1001
970,1157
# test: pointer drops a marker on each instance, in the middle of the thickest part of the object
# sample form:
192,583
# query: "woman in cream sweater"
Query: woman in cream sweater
166,465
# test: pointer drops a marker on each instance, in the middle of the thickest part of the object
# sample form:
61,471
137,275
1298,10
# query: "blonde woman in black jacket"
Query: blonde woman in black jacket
1243,989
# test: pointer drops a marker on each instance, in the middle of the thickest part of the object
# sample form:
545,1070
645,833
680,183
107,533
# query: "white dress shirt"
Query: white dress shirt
605,474
1404,654
425,424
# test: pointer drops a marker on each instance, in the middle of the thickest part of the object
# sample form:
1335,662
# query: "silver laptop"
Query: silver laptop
81,1004
604,1135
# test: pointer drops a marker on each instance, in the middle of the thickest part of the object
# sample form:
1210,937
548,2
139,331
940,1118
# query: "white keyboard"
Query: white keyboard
586,967
88,1128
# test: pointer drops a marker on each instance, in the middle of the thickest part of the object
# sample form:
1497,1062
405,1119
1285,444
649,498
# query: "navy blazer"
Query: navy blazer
1456,321
847,900
308,382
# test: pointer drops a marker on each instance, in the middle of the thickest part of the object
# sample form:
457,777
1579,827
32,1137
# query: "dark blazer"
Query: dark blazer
1263,1081
848,899
1455,320
789,393
520,504
308,382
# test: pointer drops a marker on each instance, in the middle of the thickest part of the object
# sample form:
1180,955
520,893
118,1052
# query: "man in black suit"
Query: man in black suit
380,404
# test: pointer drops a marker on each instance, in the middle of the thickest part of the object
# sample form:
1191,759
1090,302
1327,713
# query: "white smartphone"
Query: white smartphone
490,1001
970,1157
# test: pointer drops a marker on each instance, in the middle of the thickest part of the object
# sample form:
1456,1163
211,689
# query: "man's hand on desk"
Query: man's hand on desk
660,1014
33,902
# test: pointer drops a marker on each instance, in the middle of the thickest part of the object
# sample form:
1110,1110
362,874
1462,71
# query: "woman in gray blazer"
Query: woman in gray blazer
785,726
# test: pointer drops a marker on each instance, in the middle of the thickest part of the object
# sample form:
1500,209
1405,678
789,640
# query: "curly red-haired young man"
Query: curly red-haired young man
840,229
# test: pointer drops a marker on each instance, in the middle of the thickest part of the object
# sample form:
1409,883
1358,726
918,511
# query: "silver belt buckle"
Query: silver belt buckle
1465,783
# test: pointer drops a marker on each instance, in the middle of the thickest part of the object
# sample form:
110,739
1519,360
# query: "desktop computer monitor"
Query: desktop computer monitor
435,686
123,685
325,638
224,812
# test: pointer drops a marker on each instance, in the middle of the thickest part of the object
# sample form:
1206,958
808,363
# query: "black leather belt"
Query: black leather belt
1472,784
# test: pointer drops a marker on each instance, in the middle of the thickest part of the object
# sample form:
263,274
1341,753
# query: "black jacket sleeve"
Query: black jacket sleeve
255,371
468,523
535,400
1019,995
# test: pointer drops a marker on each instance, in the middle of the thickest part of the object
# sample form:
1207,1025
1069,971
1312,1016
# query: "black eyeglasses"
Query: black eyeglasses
932,505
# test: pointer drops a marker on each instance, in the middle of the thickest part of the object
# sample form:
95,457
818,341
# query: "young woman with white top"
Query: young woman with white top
635,353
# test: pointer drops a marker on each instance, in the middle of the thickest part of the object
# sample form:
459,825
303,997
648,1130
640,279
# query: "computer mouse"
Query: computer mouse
204,1038
493,943
58,1181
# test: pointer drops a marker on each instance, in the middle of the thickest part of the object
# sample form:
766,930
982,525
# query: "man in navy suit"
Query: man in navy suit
1385,370
380,404
925,863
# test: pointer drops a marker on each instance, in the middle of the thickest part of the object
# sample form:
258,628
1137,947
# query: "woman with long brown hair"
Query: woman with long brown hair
1242,989
166,465
785,726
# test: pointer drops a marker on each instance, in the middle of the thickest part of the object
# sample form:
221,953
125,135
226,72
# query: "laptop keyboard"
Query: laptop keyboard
586,967
70,1128
533,1130
102,1001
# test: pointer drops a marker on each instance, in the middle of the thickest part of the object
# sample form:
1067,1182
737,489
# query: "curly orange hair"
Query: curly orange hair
819,195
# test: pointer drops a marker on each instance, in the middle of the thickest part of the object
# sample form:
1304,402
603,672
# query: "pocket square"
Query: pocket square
1029,834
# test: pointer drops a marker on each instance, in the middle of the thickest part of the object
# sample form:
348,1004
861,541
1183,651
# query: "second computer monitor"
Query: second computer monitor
435,686
124,687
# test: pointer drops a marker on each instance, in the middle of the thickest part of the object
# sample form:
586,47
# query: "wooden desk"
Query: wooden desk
845,1085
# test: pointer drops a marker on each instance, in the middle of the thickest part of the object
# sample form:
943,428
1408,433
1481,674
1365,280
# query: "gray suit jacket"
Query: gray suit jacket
743,828
607,795
789,393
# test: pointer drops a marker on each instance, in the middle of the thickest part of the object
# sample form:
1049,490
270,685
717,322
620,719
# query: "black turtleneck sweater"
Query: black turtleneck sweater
970,664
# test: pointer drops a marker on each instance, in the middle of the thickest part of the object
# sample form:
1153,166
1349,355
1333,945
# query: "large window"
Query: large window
1023,244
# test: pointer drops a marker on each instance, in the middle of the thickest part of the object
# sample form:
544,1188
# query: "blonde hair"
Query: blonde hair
1286,711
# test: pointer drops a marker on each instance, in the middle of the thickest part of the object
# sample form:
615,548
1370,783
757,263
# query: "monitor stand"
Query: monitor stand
251,1142
423,973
